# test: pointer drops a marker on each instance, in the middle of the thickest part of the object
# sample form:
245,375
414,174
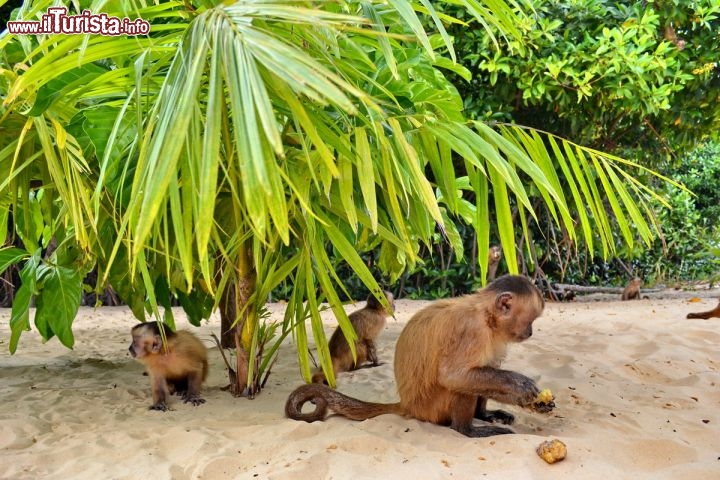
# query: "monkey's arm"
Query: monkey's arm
371,353
501,385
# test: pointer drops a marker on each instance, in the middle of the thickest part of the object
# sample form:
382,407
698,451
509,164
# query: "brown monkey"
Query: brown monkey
178,366
494,256
715,312
367,322
447,363
632,290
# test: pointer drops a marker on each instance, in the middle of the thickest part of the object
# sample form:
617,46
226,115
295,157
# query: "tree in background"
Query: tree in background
635,78
240,146
639,79
690,246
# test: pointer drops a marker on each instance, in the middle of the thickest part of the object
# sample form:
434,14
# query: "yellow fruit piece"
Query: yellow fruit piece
545,396
552,451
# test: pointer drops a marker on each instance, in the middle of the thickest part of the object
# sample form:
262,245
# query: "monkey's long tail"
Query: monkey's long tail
324,397
715,312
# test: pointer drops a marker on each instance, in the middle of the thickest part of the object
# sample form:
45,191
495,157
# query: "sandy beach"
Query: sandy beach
637,390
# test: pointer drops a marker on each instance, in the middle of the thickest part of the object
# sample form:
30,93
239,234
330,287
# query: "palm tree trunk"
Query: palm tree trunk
238,319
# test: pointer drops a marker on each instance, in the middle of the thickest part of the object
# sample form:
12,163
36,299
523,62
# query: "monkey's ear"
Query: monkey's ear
157,343
504,302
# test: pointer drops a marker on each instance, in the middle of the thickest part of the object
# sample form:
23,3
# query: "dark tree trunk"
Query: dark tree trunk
228,313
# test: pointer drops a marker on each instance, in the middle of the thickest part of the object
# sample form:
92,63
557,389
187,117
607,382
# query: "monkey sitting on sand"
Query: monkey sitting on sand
632,290
367,322
178,366
447,364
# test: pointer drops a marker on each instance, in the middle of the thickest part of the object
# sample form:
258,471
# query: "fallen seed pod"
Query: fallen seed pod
552,451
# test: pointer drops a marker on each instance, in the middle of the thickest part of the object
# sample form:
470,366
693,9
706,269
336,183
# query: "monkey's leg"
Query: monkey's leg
178,387
160,393
492,416
462,412
194,382
370,353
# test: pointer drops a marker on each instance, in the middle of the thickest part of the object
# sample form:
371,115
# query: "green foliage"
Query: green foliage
699,171
687,250
637,78
56,290
691,239
442,272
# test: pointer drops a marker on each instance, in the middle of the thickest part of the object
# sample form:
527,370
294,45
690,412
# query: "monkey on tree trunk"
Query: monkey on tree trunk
179,365
447,363
494,257
367,322
632,290
715,312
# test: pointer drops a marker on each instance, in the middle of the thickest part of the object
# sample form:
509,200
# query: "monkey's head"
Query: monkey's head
147,339
515,306
375,304
494,253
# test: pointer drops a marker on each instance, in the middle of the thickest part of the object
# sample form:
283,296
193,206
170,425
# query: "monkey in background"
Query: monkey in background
447,363
367,322
178,366
715,312
494,257
632,290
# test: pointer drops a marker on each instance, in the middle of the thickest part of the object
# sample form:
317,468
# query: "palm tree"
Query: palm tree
238,144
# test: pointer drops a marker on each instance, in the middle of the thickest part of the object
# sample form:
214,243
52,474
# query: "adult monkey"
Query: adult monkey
447,363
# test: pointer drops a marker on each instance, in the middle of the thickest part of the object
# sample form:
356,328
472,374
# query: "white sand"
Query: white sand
637,391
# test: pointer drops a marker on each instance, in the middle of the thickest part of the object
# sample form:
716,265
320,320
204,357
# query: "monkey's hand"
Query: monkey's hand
194,399
524,389
160,406
497,416
544,402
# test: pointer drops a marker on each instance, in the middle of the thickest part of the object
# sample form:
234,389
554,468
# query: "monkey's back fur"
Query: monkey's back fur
186,353
424,342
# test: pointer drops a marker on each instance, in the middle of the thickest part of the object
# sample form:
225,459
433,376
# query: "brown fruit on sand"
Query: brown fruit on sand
552,451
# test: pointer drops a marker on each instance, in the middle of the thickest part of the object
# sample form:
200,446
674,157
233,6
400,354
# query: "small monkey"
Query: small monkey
178,366
367,322
632,290
715,312
447,363
494,256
